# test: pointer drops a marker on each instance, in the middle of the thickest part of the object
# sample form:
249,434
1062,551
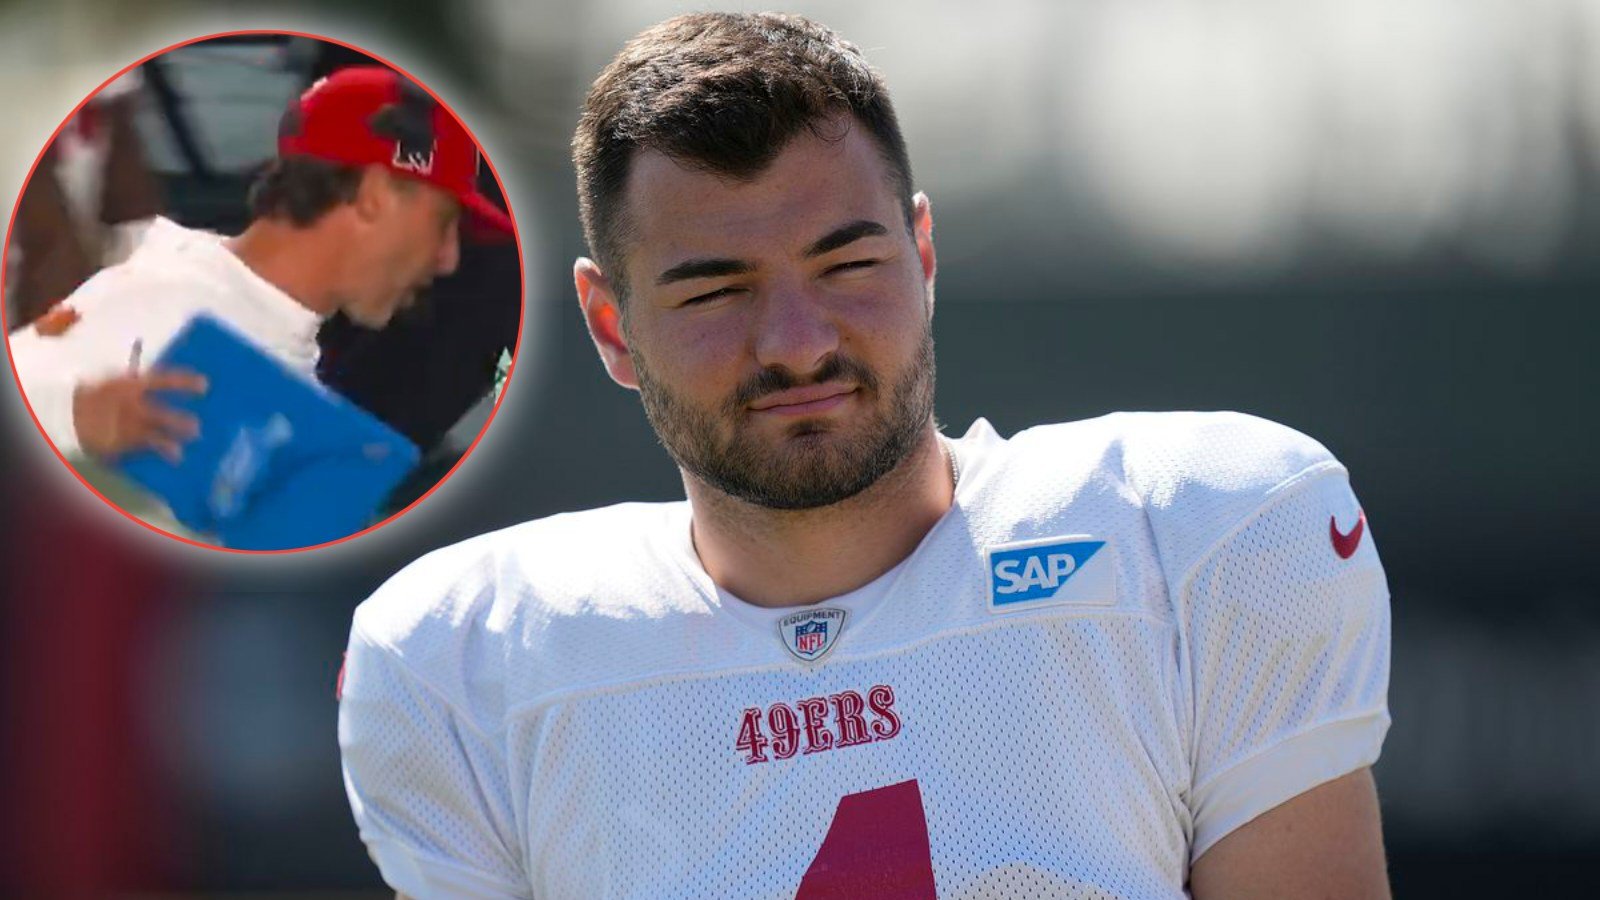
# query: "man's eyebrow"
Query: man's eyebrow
703,268
722,267
845,234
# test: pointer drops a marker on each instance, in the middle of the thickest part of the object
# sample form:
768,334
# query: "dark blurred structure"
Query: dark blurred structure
1374,222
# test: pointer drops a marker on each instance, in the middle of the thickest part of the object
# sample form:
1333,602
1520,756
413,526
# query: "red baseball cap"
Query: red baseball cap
370,115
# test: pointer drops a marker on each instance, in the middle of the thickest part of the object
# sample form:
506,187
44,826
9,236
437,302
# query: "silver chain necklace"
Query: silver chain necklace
955,464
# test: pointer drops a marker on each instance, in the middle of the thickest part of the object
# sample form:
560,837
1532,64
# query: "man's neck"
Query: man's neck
290,259
775,558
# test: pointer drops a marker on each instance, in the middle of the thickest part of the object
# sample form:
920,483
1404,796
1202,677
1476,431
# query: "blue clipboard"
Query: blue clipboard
281,461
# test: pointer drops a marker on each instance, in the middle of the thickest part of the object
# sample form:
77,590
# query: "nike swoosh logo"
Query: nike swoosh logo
1345,544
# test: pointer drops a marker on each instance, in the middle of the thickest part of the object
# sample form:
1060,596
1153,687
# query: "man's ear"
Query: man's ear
922,232
375,194
603,316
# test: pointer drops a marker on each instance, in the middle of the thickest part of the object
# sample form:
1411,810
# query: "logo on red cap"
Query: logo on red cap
414,160
410,122
369,115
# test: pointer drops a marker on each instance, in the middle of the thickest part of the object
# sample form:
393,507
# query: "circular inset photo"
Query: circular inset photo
262,291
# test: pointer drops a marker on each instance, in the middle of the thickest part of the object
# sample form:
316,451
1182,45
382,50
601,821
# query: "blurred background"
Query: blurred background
1375,221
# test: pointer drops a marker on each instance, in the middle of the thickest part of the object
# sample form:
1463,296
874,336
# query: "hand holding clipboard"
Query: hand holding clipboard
280,462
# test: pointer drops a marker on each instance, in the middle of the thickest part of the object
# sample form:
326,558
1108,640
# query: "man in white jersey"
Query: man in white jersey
359,213
1139,656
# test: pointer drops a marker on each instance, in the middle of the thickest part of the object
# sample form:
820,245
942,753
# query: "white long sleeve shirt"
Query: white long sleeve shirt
129,312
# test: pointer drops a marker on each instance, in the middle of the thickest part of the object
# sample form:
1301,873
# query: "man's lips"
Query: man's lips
804,401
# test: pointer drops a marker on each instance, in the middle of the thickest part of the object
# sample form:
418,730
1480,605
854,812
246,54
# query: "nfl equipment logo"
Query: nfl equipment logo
810,634
810,637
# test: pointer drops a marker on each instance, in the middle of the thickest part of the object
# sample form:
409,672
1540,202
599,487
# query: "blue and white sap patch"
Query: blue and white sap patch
1070,569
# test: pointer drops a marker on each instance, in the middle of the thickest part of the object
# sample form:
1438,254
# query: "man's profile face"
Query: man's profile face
416,240
779,328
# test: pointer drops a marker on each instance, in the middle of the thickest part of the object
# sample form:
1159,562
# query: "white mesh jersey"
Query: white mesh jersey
1128,637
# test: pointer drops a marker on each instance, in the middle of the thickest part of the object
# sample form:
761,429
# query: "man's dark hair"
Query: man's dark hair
301,189
724,93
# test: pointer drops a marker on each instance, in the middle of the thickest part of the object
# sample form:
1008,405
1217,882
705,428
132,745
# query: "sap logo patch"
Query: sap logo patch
1071,569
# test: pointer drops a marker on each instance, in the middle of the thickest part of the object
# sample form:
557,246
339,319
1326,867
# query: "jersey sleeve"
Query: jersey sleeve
1285,648
427,784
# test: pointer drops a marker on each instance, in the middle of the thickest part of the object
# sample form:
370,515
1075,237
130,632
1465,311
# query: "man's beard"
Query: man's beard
802,472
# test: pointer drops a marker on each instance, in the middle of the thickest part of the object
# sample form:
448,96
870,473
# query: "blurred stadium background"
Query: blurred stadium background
1376,221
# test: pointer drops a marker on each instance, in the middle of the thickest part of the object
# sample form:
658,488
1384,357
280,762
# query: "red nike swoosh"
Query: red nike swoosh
1345,544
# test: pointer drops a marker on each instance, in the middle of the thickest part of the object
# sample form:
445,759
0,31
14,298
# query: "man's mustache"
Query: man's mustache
771,380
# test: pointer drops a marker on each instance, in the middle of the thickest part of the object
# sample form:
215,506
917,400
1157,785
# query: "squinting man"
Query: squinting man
1144,655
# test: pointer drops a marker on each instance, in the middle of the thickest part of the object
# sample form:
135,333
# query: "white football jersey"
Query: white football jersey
1128,637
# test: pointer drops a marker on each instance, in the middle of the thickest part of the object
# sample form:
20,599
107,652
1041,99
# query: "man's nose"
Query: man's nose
795,330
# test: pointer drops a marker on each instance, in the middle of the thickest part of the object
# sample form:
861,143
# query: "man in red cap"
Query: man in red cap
359,213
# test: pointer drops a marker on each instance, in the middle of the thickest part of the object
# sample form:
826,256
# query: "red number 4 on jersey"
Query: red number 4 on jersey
876,846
